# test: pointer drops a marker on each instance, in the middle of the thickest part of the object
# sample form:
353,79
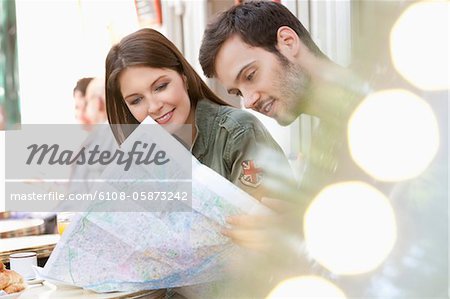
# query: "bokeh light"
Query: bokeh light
419,45
393,135
306,287
350,228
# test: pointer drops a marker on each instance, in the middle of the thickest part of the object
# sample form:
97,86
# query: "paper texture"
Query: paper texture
131,251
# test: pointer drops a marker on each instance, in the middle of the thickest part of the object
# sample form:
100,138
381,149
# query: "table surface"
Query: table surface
48,290
10,228
7,225
42,245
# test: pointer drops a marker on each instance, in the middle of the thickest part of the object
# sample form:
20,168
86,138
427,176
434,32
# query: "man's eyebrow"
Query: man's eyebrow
242,70
239,74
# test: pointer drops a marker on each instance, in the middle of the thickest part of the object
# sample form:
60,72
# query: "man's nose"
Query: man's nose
251,99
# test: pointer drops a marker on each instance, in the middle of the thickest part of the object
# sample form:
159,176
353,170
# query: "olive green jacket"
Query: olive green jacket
235,144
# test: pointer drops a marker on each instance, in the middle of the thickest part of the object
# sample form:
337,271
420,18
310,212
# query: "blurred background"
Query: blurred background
47,46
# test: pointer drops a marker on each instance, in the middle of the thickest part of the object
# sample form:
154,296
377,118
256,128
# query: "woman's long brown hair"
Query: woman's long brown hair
146,47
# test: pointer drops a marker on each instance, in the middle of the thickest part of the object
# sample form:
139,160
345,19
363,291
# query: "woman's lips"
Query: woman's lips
165,118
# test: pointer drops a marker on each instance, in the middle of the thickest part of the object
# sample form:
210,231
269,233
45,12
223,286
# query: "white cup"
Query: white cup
23,263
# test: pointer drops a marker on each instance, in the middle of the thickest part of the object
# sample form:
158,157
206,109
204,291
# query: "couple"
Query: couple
261,52
257,50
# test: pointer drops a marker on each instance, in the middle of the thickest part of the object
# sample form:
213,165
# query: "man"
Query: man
79,96
95,101
100,134
261,52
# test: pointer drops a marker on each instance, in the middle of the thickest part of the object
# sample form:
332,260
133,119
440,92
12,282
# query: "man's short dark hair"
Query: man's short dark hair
257,23
82,85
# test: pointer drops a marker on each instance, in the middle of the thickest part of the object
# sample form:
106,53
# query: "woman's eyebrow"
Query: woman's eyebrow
134,94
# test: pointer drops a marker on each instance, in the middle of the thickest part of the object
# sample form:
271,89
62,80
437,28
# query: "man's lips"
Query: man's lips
165,118
266,107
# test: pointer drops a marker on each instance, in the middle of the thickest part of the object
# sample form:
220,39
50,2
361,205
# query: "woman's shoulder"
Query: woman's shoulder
227,117
234,119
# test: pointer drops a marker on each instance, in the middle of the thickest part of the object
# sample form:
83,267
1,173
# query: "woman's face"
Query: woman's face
156,92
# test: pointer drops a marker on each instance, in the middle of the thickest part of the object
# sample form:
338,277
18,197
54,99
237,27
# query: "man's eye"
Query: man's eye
250,76
238,93
136,101
161,87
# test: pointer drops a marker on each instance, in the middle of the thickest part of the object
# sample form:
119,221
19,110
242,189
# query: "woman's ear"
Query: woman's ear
288,42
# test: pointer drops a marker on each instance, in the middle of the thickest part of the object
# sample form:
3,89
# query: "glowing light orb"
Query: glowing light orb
350,228
419,45
393,135
306,287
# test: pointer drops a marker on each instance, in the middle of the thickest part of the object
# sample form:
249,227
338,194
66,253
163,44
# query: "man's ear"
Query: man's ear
288,42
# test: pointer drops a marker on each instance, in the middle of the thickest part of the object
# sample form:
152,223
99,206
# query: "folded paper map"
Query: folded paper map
131,251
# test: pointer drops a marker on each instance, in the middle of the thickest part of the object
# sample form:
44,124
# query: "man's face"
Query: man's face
95,101
267,83
80,107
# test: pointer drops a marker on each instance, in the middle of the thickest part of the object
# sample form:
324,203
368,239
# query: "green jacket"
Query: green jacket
235,144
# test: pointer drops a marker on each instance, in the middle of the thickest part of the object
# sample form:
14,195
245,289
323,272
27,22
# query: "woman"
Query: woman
146,75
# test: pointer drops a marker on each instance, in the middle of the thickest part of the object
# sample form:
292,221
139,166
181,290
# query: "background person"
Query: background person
94,113
95,110
79,96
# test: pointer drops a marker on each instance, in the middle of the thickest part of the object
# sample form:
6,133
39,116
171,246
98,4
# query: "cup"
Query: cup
23,263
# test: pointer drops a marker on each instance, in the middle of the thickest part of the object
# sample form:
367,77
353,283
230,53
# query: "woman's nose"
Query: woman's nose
154,107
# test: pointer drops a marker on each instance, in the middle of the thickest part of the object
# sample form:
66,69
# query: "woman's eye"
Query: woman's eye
250,76
161,87
136,101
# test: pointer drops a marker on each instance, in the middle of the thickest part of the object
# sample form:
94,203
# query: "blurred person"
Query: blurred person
82,176
79,96
95,110
89,96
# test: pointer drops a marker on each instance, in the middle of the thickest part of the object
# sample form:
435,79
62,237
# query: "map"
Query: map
131,251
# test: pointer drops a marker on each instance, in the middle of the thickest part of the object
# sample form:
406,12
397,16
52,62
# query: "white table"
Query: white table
48,290
43,245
